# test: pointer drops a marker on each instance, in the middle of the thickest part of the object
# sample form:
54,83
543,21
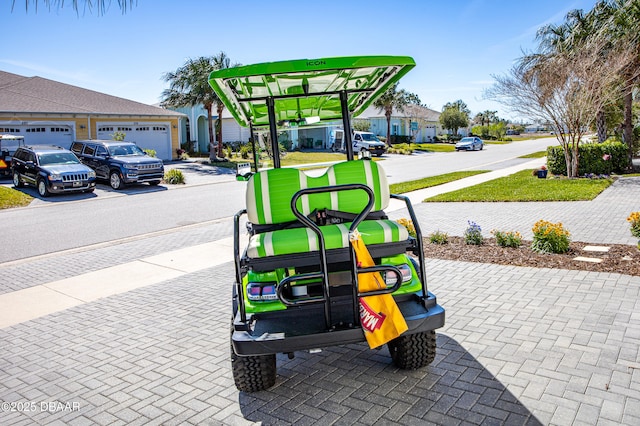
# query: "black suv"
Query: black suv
51,169
119,162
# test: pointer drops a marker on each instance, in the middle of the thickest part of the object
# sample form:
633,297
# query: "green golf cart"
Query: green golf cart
296,278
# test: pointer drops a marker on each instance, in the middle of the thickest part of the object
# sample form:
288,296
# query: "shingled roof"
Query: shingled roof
19,94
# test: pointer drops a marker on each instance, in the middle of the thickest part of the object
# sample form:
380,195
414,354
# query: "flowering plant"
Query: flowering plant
550,237
507,239
439,238
473,234
634,219
606,157
408,223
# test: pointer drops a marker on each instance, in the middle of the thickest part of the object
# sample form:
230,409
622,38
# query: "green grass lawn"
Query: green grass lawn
433,147
10,198
291,159
299,157
523,186
538,154
402,187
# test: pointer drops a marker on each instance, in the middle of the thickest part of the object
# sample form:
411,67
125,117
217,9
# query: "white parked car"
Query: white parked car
471,143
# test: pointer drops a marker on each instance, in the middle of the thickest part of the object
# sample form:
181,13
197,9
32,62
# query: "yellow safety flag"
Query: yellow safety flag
380,317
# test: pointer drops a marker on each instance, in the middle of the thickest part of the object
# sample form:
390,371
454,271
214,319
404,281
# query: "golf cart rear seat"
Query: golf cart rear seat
278,235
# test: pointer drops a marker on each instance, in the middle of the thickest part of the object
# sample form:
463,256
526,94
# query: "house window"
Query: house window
59,129
9,130
160,129
124,129
395,129
36,130
105,129
142,129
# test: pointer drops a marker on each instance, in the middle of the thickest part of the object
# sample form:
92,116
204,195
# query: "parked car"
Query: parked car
470,143
51,169
119,163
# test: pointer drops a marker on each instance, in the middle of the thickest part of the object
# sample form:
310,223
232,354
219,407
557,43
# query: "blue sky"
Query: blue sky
457,44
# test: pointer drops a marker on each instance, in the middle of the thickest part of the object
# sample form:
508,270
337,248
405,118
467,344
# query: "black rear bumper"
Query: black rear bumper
303,328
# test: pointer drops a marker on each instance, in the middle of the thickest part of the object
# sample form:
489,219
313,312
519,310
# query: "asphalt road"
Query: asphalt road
107,216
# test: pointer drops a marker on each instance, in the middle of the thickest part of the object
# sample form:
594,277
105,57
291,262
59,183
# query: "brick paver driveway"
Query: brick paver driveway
521,346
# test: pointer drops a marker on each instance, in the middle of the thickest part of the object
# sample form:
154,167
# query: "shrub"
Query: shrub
507,239
150,152
595,158
407,223
174,176
473,234
439,238
245,150
395,139
634,219
182,154
550,237
402,148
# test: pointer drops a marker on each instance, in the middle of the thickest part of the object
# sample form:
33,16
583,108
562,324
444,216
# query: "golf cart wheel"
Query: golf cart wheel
413,351
253,373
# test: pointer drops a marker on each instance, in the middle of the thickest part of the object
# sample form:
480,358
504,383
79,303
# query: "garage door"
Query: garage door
151,136
42,134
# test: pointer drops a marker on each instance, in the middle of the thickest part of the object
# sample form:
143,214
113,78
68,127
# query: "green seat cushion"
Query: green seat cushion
303,240
269,192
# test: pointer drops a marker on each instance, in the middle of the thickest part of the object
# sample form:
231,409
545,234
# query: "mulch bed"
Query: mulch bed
622,259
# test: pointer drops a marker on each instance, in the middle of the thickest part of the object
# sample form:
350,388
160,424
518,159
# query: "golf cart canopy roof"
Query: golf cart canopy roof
306,90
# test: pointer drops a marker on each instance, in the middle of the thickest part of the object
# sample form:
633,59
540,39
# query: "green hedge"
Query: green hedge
591,158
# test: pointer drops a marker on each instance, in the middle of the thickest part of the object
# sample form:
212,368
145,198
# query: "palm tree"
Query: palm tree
394,99
620,21
189,86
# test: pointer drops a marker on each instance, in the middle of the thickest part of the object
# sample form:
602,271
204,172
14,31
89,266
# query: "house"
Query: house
49,112
420,122
195,127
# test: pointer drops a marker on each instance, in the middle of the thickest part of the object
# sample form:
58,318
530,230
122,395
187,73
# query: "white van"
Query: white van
362,141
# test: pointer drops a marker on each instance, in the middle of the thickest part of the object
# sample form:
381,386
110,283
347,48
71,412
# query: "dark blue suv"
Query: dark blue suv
51,169
119,163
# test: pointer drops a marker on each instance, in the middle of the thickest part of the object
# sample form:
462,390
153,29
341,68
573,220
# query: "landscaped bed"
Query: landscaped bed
622,259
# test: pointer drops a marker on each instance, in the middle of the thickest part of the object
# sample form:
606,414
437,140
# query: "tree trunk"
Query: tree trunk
219,128
574,162
627,128
212,155
387,114
601,125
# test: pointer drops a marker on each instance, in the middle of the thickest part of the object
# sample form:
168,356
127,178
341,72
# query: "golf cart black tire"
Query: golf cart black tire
253,373
413,351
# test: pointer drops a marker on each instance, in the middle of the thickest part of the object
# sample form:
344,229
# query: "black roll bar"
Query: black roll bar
236,255
422,272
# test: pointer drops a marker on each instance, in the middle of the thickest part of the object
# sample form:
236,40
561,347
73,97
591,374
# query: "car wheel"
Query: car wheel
115,181
16,180
481,146
42,188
